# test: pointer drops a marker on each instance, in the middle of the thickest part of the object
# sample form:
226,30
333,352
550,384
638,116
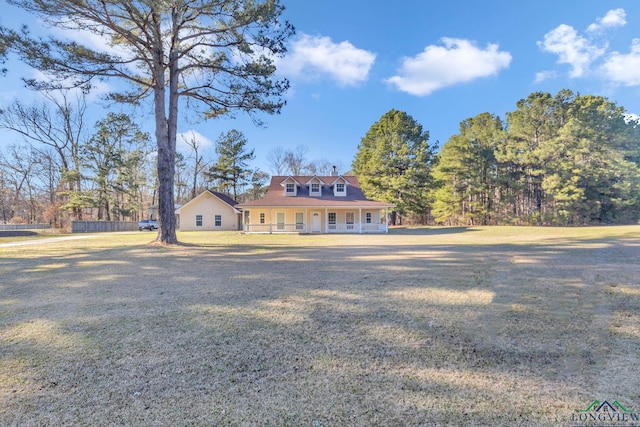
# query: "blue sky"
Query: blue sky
441,62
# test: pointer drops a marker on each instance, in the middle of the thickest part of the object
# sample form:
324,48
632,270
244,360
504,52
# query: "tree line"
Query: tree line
64,170
567,159
60,171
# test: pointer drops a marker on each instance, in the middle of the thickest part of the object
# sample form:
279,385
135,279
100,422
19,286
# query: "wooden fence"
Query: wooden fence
13,227
102,226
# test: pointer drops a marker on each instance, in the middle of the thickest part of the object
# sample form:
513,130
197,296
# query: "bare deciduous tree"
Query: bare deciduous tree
59,125
296,160
199,164
276,160
16,168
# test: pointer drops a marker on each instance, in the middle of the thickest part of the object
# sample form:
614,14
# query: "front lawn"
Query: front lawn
423,326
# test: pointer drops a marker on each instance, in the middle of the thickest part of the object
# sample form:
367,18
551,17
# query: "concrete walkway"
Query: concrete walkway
41,241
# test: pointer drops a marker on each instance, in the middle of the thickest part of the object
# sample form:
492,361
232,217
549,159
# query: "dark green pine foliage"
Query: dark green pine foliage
533,128
231,170
114,158
394,162
589,178
564,160
468,174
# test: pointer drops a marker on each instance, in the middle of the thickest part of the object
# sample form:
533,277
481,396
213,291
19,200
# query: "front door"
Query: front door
316,222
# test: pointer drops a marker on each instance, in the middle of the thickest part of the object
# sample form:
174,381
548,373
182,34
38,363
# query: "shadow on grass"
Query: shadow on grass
293,334
428,231
18,233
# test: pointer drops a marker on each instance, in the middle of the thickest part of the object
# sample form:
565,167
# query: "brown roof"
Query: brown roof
223,197
228,200
275,195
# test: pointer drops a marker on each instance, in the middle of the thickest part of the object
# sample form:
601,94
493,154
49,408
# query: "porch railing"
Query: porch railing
275,228
303,228
356,228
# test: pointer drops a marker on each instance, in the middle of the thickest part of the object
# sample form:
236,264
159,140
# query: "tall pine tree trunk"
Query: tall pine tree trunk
166,163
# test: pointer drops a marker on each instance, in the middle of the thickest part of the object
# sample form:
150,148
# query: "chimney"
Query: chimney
334,172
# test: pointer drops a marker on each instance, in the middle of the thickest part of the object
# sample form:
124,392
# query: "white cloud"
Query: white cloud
580,52
624,69
91,39
632,118
98,87
571,49
458,61
190,135
542,76
314,57
613,18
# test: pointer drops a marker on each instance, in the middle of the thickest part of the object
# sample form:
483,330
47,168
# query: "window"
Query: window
299,221
332,220
218,220
247,217
198,220
315,188
262,218
290,188
367,217
340,187
280,221
350,216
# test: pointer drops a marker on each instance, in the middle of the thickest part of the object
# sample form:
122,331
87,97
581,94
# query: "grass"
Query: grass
10,236
424,326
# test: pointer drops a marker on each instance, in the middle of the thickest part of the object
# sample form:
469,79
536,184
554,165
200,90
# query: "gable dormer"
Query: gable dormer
315,186
339,186
290,185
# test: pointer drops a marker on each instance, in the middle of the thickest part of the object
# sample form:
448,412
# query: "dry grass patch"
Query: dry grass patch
483,326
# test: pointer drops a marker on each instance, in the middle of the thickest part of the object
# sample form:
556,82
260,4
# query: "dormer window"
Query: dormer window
290,186
340,187
315,186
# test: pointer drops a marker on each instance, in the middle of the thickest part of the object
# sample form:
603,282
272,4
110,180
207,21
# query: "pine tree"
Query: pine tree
232,167
589,178
467,173
114,157
394,161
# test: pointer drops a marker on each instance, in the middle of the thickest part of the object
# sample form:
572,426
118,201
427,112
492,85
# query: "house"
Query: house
210,210
315,204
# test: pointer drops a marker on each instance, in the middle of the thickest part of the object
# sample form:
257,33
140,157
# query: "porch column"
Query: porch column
386,220
270,221
326,221
359,220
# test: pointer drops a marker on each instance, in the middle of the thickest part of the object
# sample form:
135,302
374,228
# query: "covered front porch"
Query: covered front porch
316,220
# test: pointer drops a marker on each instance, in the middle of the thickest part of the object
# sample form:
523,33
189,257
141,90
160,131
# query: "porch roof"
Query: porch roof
319,204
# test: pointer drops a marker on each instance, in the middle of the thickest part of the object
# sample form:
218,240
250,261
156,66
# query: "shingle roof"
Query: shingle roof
223,197
228,200
275,196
